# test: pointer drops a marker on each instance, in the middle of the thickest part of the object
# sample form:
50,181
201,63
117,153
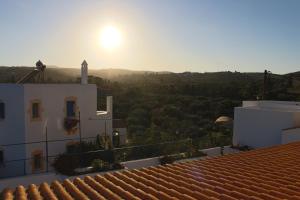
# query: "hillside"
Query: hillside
165,106
8,74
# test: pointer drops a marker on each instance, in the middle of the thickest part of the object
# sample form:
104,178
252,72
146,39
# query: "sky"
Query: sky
156,35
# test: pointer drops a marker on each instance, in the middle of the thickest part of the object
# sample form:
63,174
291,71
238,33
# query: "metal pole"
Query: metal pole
24,167
105,136
80,139
47,160
79,121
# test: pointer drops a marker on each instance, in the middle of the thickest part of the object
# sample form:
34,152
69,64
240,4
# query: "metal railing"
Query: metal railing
24,166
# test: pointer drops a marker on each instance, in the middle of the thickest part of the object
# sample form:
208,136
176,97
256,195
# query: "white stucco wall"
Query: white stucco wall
262,126
52,98
290,135
18,127
12,129
137,164
215,151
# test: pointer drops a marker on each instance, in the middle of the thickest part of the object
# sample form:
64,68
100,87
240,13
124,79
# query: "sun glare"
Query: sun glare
110,37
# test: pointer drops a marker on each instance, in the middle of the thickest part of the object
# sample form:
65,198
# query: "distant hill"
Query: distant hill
9,74
59,75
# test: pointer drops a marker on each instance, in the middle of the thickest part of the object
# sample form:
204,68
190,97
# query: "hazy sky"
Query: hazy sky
173,35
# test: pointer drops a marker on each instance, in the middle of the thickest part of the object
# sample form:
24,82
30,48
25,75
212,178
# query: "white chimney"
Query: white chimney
84,72
109,105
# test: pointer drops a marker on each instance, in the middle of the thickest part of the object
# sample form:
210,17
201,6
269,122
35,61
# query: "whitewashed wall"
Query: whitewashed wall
137,164
290,135
215,151
17,127
52,98
261,127
12,129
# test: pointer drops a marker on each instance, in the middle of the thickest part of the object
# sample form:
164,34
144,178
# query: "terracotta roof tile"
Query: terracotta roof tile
263,174
34,193
60,191
46,192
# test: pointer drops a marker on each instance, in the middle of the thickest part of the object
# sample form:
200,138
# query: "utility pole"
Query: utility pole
47,159
105,136
265,83
79,124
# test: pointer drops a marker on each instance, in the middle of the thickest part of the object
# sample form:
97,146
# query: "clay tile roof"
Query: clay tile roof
269,173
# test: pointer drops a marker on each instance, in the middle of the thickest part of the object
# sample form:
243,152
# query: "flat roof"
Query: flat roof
279,109
269,173
281,106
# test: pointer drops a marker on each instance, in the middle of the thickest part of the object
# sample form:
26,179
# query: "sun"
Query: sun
110,37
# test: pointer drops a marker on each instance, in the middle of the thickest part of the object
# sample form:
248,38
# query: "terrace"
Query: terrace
268,173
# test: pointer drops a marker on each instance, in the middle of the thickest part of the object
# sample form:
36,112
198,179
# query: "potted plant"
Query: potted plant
70,124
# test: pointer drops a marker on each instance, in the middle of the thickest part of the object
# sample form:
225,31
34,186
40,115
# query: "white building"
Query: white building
266,123
64,111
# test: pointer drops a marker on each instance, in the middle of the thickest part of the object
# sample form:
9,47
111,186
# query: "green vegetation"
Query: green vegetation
166,106
163,107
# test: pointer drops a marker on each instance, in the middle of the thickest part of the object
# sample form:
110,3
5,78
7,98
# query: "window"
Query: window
37,159
37,163
70,108
35,110
2,110
1,156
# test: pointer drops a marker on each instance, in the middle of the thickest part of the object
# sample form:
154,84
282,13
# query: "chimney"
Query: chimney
109,105
84,72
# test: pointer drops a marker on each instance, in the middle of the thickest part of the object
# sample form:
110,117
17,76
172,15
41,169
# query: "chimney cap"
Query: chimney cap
84,62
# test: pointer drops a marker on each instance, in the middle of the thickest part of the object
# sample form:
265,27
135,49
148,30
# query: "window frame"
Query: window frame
71,113
39,111
75,108
35,110
35,154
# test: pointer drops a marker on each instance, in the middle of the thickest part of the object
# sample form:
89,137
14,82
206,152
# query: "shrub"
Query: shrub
70,124
166,160
98,164
118,166
65,164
